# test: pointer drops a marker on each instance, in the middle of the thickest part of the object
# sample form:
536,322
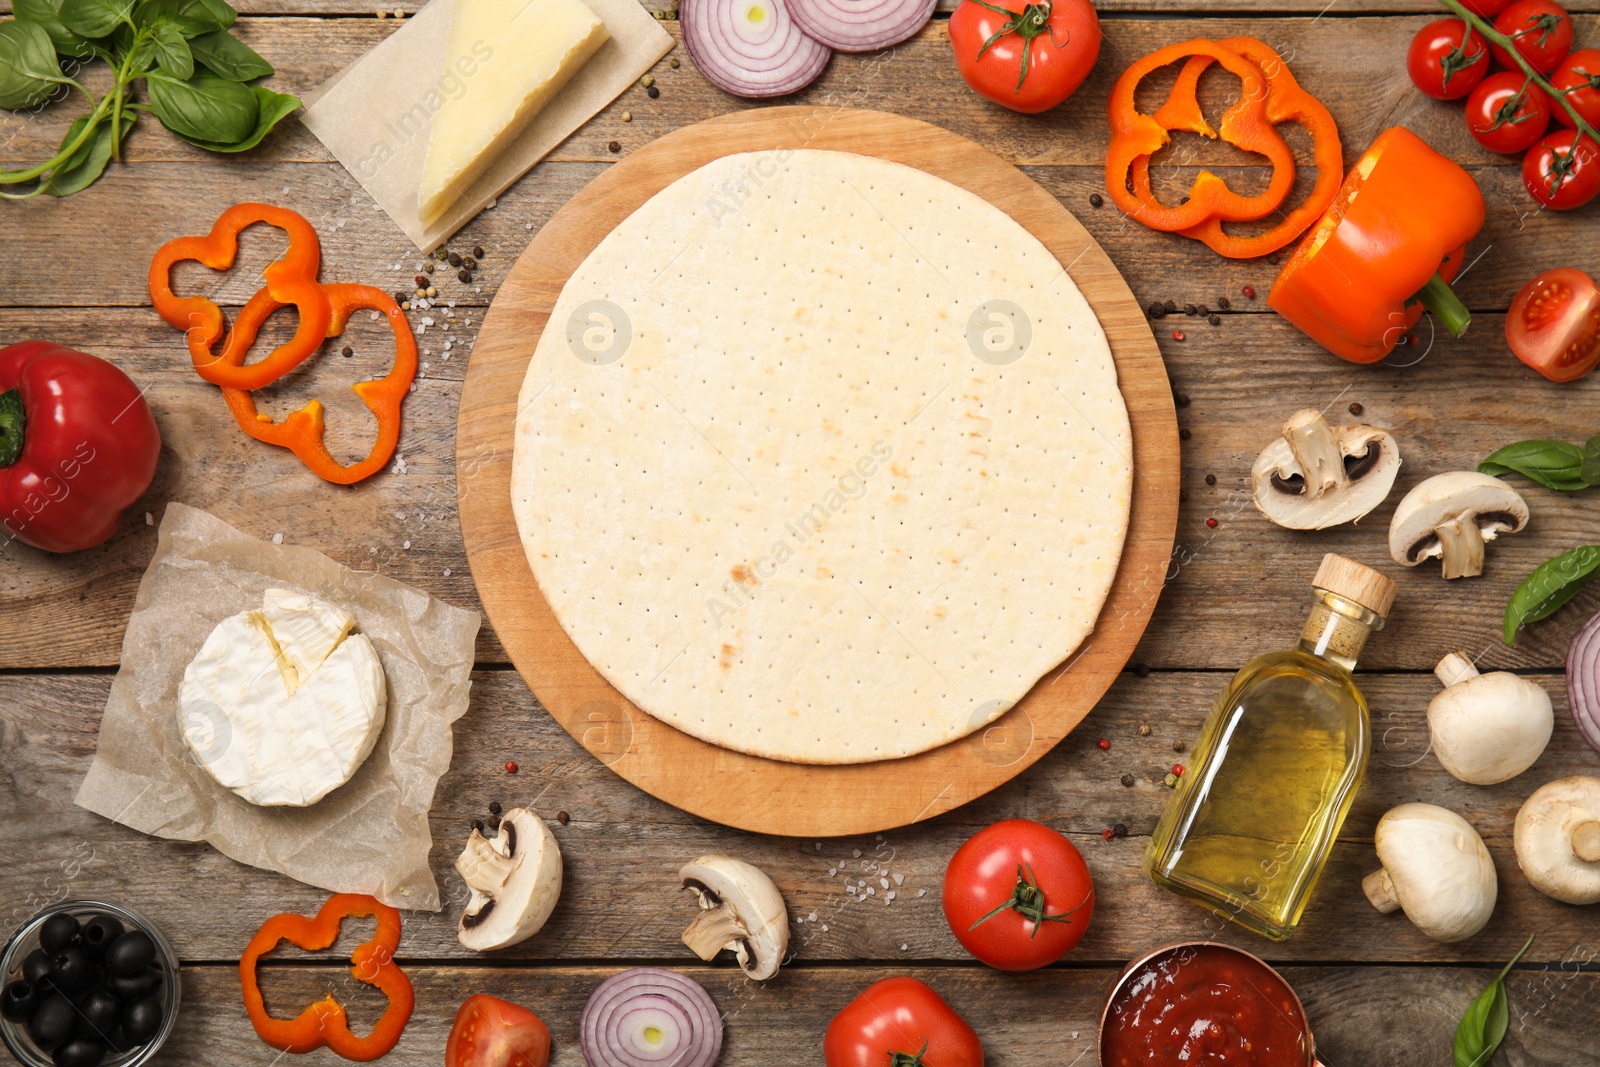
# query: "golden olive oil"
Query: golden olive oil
1277,766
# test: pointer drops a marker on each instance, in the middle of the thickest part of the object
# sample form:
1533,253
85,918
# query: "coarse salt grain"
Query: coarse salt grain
832,872
149,519
277,539
447,572
405,544
856,853
811,918
899,879
922,892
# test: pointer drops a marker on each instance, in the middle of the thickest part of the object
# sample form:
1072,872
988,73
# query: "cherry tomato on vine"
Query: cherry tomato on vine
1027,56
1541,30
1554,324
1438,63
1578,79
1562,171
1485,8
1507,112
899,1022
1018,896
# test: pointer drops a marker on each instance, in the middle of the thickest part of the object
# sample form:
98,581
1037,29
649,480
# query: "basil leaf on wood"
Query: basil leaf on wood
94,19
272,108
204,110
85,166
1589,471
1484,1026
1551,585
29,69
46,14
171,51
1553,464
190,17
228,57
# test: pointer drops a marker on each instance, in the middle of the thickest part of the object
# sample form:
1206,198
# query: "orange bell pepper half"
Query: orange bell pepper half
302,432
325,1023
1389,246
1135,135
291,280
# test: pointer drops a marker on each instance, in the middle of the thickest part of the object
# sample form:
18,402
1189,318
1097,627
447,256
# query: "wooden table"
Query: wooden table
1377,991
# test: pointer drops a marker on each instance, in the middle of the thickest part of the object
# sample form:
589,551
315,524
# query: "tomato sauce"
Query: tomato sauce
1204,1006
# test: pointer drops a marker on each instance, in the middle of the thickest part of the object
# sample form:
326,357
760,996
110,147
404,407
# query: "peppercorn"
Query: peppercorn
495,808
1182,400
1142,670
1157,311
420,294
469,263
563,818
614,147
1356,408
1127,780
1183,434
1274,259
1104,744
440,252
1120,830
477,825
653,93
400,297
648,80
1177,770
1144,727
347,351
1189,309
1171,306
1178,335
465,277
477,251
1095,200
1202,310
431,292
1170,781
673,62
1224,303
1211,479
1215,320
1211,523
421,280
1177,746
511,766
429,266
455,259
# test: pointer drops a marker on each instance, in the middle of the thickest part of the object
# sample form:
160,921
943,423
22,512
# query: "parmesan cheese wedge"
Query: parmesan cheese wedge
512,58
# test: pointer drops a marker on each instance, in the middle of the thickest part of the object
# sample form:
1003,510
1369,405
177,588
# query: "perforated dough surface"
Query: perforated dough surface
822,458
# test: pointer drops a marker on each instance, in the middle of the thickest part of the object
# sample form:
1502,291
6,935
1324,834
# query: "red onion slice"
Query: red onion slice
648,1017
1583,681
750,48
861,25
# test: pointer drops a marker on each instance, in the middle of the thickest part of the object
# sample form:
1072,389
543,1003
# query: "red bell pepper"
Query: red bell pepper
78,444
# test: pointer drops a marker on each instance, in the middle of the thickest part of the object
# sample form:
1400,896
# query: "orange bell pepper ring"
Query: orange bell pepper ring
1135,135
1362,276
302,431
291,280
324,1023
1286,102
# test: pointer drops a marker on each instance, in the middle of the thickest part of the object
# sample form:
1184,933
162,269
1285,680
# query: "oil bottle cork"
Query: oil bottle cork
1350,601
1354,581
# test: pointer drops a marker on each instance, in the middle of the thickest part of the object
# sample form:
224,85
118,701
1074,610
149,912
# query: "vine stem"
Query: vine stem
16,177
1534,76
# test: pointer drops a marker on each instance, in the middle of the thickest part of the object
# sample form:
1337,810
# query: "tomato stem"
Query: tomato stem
905,1059
13,423
1027,900
1030,22
1446,306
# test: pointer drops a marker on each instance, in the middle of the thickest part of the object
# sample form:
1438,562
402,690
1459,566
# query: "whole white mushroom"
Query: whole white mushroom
1436,869
1487,728
1558,839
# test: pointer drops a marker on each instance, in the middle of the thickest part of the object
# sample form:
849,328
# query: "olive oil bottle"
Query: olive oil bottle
1277,766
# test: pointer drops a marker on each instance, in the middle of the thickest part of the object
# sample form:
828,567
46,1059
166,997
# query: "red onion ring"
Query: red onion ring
747,57
625,1007
1583,681
861,25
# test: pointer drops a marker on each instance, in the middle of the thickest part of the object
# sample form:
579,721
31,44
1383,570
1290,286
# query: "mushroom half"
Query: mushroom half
1436,869
1558,839
741,910
515,881
1451,517
1314,476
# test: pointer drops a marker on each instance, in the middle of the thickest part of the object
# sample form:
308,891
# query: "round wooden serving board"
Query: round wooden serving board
749,792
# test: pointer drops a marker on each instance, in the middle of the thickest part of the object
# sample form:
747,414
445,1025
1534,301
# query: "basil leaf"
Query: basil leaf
1551,585
1553,464
171,51
29,69
1589,470
1483,1027
86,165
228,57
203,109
272,108
47,15
94,19
190,17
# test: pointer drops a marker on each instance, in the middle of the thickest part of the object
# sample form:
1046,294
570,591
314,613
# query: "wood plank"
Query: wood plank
1238,587
622,847
1359,1015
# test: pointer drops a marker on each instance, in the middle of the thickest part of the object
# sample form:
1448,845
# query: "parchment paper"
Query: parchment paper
368,836
376,114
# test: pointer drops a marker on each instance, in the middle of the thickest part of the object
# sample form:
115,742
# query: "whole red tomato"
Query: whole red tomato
1562,171
1018,896
1447,59
1025,56
1578,79
490,1032
900,1021
1554,324
1507,112
1541,30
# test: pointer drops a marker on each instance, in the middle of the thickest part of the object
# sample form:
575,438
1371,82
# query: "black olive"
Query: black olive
79,1052
72,971
36,966
141,1020
130,953
140,985
19,1000
98,1014
57,932
52,1023
99,932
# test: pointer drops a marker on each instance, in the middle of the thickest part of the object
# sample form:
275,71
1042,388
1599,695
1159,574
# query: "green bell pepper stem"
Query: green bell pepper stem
1446,306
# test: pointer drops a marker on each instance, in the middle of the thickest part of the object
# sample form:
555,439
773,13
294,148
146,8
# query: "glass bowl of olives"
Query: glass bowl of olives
87,983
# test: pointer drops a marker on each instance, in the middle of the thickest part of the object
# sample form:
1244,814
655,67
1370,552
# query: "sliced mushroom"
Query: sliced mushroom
515,881
1558,840
740,910
1435,868
1487,728
1315,476
1451,517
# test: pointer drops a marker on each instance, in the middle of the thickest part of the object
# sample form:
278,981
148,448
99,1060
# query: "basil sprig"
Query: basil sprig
1484,1026
198,78
1553,464
1551,585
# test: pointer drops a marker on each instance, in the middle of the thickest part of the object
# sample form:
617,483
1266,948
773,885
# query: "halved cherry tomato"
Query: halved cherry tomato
1578,79
490,1032
1018,896
1554,324
1562,171
1027,56
1507,113
1485,8
1447,59
899,1022
1541,30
